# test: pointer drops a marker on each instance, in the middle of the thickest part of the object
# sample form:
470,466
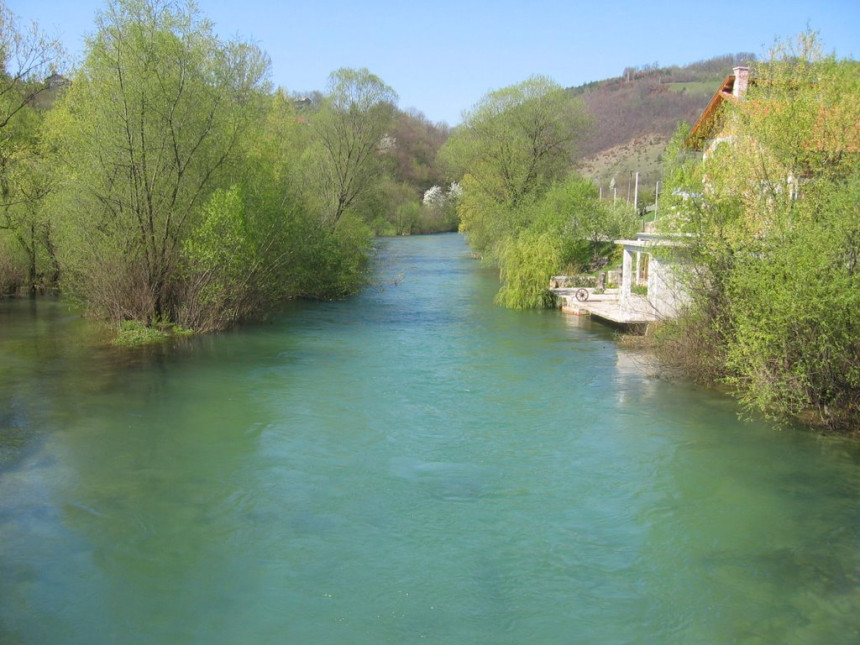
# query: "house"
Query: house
831,128
652,261
652,277
649,289
710,129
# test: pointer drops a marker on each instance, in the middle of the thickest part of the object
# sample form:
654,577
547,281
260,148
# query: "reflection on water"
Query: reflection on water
414,463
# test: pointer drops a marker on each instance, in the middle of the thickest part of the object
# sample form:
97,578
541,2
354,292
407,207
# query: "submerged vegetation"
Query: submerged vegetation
132,333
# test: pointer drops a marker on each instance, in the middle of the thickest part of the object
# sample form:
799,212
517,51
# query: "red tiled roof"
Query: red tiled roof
704,128
836,129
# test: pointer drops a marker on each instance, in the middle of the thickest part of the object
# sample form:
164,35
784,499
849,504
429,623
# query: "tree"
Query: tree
27,57
25,184
564,230
438,211
149,126
416,144
774,235
519,205
511,147
349,132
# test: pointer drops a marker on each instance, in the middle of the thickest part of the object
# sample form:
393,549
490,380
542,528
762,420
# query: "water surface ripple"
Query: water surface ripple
411,464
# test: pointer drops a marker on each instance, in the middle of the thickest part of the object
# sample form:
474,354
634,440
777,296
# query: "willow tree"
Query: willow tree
510,148
153,116
349,132
563,231
259,242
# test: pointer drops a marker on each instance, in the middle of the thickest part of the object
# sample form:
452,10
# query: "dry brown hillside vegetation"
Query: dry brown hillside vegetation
635,114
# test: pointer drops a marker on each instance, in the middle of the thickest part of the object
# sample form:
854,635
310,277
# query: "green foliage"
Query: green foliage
566,230
774,238
259,242
586,223
484,220
27,56
795,321
526,263
519,205
151,119
171,186
407,216
132,333
349,130
391,208
220,262
333,262
509,150
438,212
13,264
183,192
24,185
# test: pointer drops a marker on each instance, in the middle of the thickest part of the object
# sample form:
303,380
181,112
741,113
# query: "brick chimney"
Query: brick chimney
742,81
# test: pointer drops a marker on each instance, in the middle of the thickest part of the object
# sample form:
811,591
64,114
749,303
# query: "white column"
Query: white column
638,274
626,277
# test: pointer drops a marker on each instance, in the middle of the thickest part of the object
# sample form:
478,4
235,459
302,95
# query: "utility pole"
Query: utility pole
636,195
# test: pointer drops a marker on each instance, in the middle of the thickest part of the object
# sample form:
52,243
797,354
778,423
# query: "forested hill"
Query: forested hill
635,114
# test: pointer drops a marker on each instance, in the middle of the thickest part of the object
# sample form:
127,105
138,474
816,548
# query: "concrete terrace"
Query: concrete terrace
607,307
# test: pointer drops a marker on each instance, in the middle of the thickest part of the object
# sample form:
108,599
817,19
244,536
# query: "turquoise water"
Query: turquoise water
411,465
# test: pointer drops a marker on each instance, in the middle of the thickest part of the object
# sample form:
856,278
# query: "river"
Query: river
412,464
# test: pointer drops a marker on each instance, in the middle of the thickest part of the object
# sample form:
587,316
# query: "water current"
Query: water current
413,464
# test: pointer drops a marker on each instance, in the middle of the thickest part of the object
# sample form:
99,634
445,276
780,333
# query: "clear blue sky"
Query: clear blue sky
441,57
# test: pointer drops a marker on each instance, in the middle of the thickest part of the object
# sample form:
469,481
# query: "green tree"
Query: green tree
349,138
24,184
149,126
510,148
27,56
563,231
260,242
774,236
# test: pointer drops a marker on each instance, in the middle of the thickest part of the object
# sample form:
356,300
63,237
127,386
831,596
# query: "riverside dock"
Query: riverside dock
606,307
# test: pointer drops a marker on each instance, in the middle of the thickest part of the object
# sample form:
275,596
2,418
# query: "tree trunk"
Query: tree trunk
31,271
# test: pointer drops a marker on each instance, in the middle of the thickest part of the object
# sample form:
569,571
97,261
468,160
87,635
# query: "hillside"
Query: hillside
635,114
